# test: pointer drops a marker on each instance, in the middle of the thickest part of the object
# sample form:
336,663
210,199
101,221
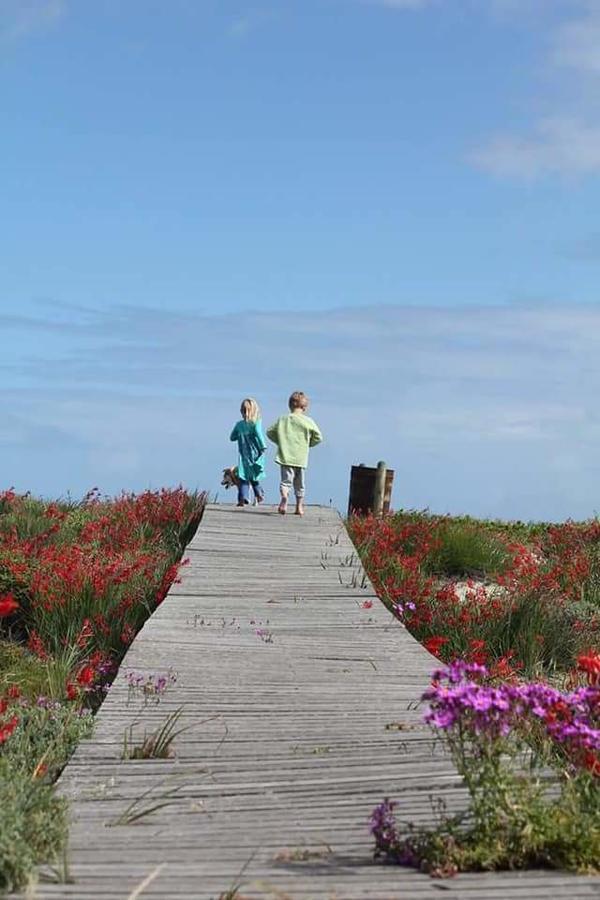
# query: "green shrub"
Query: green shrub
528,758
33,820
33,826
45,738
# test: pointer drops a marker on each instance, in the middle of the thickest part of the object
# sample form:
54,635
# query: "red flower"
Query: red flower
127,635
14,692
504,667
7,730
367,604
86,676
3,706
591,762
477,654
590,664
85,634
434,644
36,645
559,712
72,692
8,604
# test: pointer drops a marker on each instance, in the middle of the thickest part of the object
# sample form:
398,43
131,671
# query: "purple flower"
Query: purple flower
459,696
151,686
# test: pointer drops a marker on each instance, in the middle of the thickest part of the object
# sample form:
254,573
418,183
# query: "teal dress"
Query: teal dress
251,443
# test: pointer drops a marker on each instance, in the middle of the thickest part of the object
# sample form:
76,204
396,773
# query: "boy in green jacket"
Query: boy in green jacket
294,434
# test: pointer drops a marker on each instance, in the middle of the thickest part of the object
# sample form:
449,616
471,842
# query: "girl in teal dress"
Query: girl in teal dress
248,433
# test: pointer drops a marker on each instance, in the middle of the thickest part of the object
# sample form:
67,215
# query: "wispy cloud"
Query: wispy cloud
246,23
503,9
577,42
587,249
20,18
486,410
403,4
240,27
567,141
563,146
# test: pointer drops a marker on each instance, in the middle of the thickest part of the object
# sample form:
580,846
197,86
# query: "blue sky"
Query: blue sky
388,203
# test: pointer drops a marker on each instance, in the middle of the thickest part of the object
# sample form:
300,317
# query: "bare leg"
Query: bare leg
287,475
282,508
299,490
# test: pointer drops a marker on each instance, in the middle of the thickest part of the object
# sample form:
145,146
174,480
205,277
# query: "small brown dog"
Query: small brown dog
230,477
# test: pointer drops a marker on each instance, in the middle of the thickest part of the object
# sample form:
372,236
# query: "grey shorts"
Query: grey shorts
293,475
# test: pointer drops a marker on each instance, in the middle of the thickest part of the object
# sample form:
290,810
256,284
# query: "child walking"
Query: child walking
248,433
294,434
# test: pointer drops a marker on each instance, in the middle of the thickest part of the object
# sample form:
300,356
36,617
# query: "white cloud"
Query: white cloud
19,18
563,146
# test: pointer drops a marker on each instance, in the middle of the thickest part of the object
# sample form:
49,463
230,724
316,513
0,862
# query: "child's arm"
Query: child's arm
272,432
315,435
234,434
261,436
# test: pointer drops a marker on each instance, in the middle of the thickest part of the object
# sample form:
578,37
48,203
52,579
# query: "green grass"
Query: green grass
466,550
538,634
33,676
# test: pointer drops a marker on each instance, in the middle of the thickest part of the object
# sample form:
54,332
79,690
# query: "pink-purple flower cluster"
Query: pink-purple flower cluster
459,695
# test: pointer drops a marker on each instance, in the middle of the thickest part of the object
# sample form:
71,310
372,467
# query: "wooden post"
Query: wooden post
379,492
363,498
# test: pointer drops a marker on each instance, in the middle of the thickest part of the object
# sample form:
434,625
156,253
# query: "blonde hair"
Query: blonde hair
298,400
250,410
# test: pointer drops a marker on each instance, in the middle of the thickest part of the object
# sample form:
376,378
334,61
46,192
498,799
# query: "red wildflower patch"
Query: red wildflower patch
523,583
89,580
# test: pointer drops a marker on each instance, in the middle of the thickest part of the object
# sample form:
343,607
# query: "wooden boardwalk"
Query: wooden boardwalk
308,697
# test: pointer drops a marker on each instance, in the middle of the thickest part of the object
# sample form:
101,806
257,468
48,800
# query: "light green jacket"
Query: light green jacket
294,434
